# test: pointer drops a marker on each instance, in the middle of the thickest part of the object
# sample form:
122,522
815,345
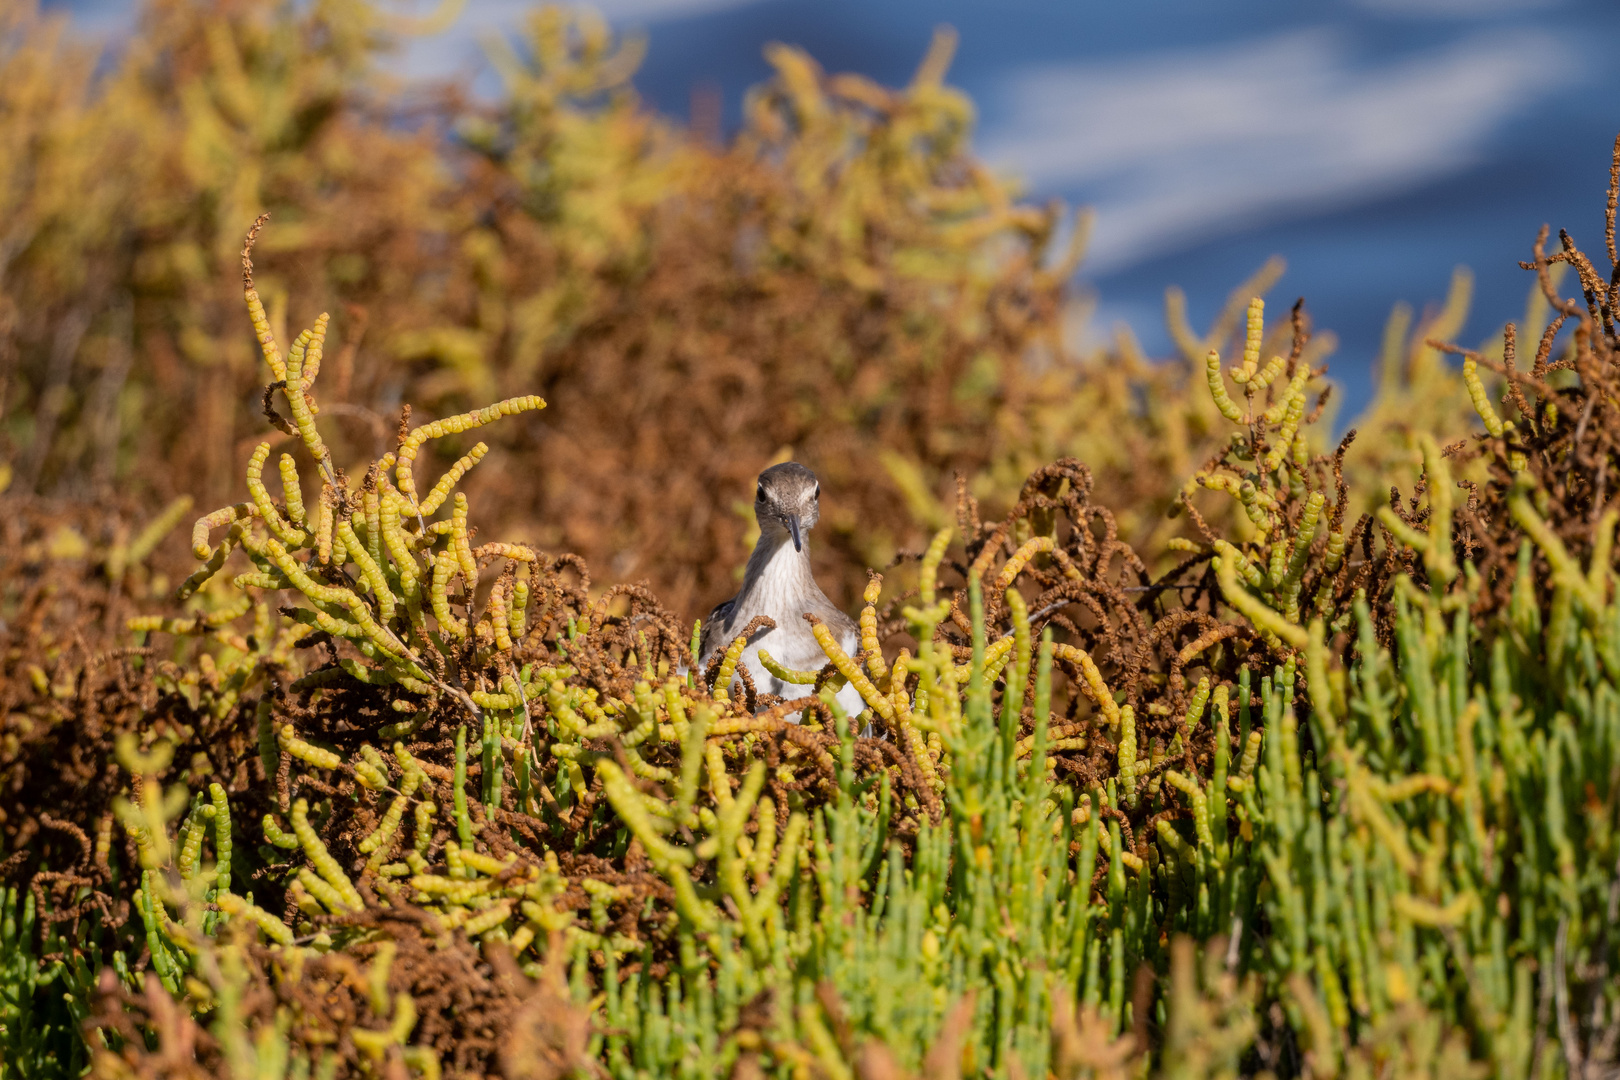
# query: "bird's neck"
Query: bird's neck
777,571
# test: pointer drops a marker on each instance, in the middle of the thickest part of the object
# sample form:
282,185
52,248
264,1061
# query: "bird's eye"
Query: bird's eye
759,493
817,494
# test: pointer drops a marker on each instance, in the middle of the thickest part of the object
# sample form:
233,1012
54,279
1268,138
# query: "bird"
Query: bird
778,583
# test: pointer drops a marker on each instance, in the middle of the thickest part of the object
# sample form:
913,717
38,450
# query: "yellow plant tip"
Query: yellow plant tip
1126,754
786,674
851,671
405,456
1254,609
1020,559
928,571
228,515
870,645
498,621
1195,708
150,762
158,624
450,479
261,322
1217,389
273,928
461,543
1249,759
331,874
370,572
1221,481
291,490
1284,439
299,401
1302,453
1253,336
1425,913
516,552
230,612
1480,398
632,809
1258,504
1172,842
728,668
296,351
1097,689
400,547
323,531
312,358
288,534
310,754
874,588
1264,377
1287,402
1413,538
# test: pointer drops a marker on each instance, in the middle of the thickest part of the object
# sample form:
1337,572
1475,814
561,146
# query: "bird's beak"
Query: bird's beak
793,527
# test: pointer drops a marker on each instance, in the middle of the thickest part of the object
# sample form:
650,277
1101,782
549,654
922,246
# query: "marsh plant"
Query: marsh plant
1265,772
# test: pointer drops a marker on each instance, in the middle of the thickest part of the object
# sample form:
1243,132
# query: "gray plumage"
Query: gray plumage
778,583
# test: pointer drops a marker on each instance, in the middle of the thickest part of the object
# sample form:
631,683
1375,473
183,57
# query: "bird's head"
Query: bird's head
788,500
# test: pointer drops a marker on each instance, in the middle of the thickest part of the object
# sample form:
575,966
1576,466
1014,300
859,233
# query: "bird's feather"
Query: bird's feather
778,584
714,628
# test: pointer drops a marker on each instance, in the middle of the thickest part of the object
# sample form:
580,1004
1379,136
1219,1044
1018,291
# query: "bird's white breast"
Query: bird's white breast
784,590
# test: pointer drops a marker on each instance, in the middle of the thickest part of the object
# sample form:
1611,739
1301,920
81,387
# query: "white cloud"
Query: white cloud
649,10
1175,147
460,48
491,15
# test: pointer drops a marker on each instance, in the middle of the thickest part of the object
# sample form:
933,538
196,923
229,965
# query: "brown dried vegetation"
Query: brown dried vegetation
689,313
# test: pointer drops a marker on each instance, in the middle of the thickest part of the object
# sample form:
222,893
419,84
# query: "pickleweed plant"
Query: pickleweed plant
1323,799
361,559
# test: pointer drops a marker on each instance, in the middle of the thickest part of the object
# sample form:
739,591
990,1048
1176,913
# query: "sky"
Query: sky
1374,144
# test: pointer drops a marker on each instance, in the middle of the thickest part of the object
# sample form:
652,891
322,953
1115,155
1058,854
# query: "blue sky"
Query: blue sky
1375,144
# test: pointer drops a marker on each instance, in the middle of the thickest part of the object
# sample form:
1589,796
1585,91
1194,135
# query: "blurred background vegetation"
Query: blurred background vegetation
842,282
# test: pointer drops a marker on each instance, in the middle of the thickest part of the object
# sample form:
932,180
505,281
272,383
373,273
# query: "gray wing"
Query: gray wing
714,629
844,628
842,625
